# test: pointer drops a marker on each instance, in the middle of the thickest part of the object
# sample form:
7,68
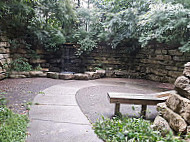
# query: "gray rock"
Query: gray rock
2,76
186,71
17,76
182,86
27,74
162,125
53,75
102,73
110,73
93,75
36,73
188,129
180,105
176,122
80,76
66,76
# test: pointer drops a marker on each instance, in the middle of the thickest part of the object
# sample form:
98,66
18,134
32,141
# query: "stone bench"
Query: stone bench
137,99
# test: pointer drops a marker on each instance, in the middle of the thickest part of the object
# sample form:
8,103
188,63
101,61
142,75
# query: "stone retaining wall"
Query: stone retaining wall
4,56
157,63
153,63
63,59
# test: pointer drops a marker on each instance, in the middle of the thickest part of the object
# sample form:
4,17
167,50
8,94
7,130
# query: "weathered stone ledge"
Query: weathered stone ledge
56,75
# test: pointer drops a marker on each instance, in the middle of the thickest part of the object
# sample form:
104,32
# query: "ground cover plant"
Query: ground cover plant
13,127
124,129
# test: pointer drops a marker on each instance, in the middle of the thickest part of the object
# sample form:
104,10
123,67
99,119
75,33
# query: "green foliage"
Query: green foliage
12,126
37,22
143,21
19,64
165,23
50,23
129,129
86,45
3,100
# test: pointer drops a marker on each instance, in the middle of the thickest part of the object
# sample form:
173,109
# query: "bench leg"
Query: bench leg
143,111
117,108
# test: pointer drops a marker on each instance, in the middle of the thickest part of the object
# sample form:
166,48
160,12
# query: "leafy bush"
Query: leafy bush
12,126
19,64
129,129
165,23
37,22
3,100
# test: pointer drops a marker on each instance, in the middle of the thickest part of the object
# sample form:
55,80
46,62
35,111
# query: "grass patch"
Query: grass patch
13,126
126,129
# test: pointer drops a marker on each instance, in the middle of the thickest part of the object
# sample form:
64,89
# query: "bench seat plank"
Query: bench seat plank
129,98
137,99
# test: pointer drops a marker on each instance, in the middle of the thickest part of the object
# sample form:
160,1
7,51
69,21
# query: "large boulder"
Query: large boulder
53,75
2,76
81,76
101,73
176,122
186,71
25,73
66,76
182,86
93,75
16,76
161,124
37,74
180,105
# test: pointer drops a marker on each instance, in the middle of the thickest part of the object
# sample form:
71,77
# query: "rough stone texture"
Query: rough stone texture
2,76
93,75
53,75
36,73
154,62
17,76
4,56
27,74
176,122
182,86
180,105
80,76
186,71
66,76
161,124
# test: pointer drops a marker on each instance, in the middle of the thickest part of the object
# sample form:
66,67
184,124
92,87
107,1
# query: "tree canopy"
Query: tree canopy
50,23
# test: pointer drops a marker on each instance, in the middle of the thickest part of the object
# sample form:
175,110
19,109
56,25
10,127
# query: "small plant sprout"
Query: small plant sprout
41,93
36,103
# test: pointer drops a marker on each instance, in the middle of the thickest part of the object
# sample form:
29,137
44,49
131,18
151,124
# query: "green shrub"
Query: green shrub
12,126
126,129
19,64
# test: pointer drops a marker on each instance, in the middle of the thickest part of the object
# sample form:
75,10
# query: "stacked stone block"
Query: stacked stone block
4,56
175,112
154,62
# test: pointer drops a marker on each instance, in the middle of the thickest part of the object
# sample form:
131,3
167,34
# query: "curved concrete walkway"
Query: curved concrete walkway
56,116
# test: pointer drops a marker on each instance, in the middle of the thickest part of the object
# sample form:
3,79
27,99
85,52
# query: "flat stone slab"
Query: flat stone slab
58,100
43,131
64,114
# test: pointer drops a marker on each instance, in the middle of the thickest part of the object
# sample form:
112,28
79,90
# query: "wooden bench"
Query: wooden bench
137,99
